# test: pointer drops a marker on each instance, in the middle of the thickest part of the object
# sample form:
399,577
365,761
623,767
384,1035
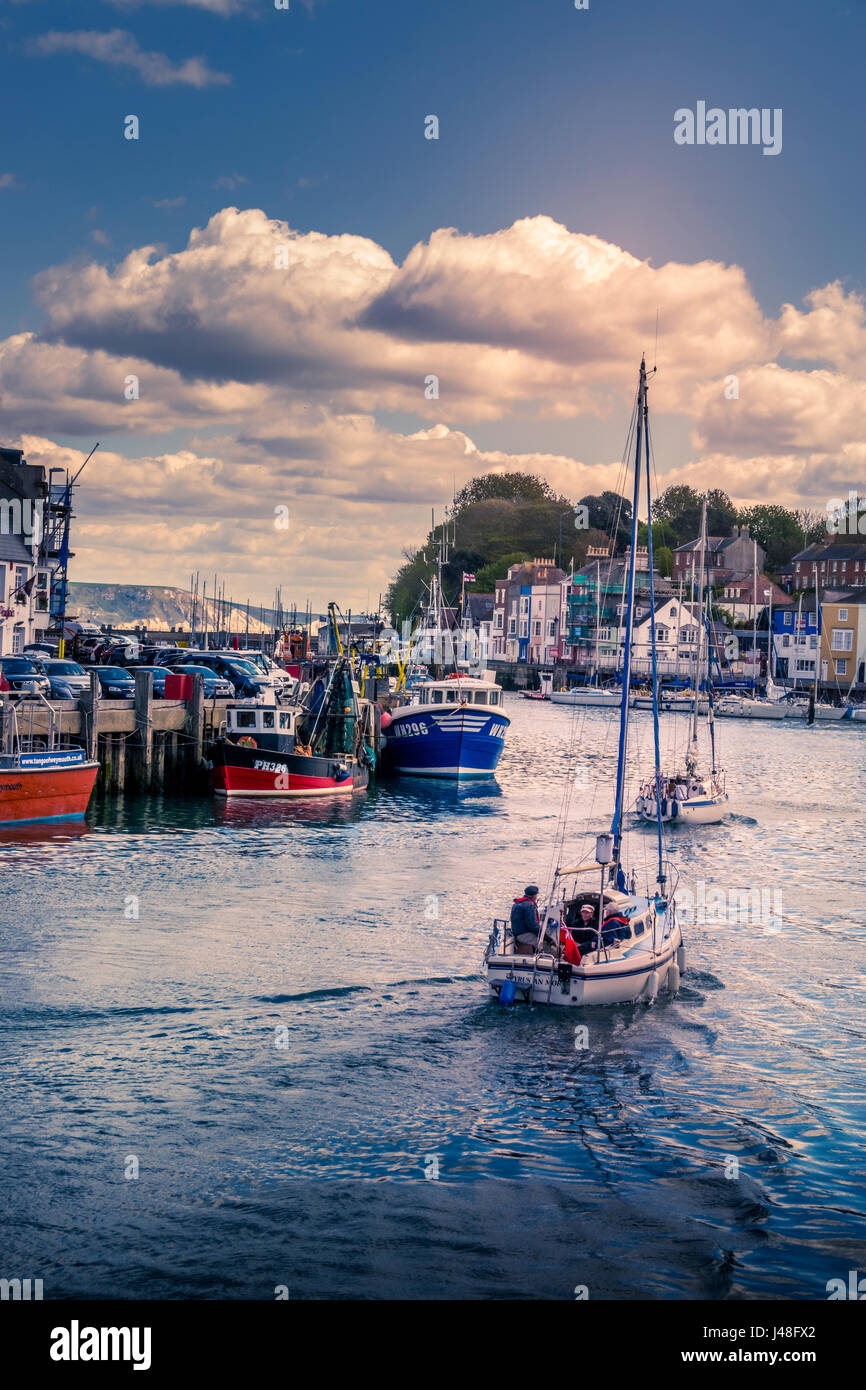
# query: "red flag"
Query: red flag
569,946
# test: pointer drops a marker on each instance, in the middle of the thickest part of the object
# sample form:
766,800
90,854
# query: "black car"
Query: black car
25,676
115,682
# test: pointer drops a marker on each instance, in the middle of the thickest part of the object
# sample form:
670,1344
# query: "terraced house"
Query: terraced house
25,560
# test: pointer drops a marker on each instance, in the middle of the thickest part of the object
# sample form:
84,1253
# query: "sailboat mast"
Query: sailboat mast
616,825
595,678
755,608
660,877
700,607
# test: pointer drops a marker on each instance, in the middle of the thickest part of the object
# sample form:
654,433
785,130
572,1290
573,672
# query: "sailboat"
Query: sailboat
632,945
691,796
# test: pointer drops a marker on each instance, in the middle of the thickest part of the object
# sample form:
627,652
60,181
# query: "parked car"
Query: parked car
246,681
159,675
115,682
67,678
41,649
215,687
25,676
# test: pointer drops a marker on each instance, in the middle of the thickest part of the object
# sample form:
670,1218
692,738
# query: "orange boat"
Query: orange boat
50,782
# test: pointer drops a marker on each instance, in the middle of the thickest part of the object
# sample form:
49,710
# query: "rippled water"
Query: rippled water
288,1039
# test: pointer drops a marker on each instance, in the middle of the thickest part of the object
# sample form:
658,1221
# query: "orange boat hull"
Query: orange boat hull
45,793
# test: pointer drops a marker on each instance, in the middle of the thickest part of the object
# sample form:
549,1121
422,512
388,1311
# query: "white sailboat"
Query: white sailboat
632,946
692,795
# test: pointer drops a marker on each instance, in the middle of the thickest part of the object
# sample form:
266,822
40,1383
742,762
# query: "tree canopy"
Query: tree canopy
498,520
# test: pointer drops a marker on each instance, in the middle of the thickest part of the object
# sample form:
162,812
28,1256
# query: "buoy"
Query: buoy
673,977
387,721
506,994
247,742
651,988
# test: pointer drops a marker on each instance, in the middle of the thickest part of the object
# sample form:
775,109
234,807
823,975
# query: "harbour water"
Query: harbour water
251,1050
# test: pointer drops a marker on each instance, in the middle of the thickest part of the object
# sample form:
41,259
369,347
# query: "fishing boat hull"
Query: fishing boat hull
638,976
49,788
240,771
460,742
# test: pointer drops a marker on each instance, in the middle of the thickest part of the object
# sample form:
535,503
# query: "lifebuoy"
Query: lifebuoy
247,742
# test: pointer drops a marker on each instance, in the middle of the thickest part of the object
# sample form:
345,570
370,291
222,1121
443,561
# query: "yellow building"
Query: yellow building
843,641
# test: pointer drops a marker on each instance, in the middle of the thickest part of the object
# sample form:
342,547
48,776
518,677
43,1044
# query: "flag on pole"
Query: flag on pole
468,578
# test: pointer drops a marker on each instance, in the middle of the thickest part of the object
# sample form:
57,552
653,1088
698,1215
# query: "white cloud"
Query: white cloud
287,343
121,49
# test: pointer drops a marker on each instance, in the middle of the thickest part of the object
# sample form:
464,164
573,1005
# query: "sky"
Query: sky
282,301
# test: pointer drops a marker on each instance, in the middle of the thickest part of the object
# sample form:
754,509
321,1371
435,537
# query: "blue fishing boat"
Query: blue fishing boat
451,728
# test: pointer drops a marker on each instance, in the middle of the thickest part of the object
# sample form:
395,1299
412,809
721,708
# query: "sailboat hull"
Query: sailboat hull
634,977
702,811
604,698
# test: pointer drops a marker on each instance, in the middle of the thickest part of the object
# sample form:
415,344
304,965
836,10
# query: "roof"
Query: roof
827,550
12,548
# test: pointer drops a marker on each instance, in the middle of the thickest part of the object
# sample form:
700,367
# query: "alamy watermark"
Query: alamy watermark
709,906
736,126
21,517
846,516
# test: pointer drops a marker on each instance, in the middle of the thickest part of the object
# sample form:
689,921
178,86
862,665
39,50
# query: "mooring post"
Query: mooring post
88,707
172,757
144,727
158,761
195,722
120,763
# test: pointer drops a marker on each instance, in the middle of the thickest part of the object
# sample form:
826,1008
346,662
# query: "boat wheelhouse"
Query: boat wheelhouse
451,728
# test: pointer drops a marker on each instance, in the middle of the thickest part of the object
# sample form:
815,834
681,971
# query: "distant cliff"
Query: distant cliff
154,606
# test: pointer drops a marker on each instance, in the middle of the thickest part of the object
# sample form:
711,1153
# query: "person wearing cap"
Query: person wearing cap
585,929
526,923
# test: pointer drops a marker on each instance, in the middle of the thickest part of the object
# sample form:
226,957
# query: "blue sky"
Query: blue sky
315,117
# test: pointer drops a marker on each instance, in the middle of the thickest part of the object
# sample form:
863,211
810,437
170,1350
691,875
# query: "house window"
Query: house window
843,639
789,617
805,666
17,639
551,628
524,605
20,576
786,640
499,622
842,666
537,630
843,615
512,626
2,582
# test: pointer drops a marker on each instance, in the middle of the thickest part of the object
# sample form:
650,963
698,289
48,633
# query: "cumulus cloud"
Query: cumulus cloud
291,344
354,490
118,48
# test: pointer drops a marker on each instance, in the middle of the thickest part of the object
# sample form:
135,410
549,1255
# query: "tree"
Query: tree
505,487
663,559
608,510
776,530
487,575
680,505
